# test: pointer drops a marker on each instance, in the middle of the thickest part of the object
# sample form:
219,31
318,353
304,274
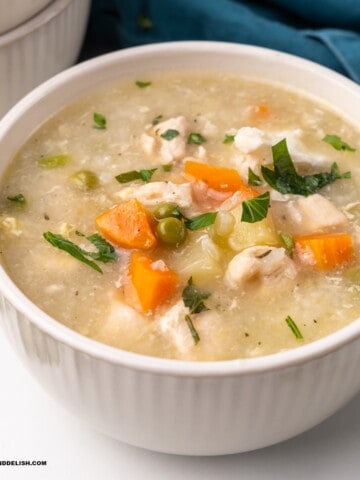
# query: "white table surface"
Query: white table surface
34,427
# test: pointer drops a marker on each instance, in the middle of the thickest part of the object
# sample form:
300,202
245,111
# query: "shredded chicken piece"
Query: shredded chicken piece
173,326
306,215
260,264
167,150
207,198
249,139
126,322
153,193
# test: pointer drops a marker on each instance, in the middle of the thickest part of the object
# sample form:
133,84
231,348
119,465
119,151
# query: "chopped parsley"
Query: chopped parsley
105,253
229,138
54,161
142,84
144,175
192,329
99,120
196,139
285,179
336,142
293,327
170,134
193,298
288,242
156,120
255,209
201,221
253,179
19,198
167,167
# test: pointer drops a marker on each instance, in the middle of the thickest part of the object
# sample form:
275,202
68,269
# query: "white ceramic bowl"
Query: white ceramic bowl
194,408
41,47
15,12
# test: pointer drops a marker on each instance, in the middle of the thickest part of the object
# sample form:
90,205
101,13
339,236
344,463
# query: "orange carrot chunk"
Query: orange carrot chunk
219,178
153,285
329,250
127,225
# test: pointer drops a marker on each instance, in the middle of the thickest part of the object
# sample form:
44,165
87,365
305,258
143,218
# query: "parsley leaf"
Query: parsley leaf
100,121
75,251
106,252
167,167
144,175
285,179
229,138
192,329
288,242
19,198
196,139
193,298
170,134
255,209
142,84
253,179
201,221
337,143
156,120
294,328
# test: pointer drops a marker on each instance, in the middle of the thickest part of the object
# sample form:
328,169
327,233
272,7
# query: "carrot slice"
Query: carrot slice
329,250
127,225
154,286
219,178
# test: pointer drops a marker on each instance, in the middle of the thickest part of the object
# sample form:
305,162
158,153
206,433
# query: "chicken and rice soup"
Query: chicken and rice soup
194,217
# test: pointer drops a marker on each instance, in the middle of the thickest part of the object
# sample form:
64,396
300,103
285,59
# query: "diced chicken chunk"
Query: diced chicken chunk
254,147
153,193
208,198
124,322
148,143
306,215
249,139
173,326
260,264
209,325
168,150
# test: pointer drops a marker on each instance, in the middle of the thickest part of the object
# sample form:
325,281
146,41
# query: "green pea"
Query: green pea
167,209
171,231
85,180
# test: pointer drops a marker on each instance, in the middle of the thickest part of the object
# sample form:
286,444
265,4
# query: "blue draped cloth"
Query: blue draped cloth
324,31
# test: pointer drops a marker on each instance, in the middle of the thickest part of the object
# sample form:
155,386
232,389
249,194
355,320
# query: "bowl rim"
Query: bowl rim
35,22
156,365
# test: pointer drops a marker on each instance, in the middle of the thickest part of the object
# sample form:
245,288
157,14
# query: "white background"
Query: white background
34,427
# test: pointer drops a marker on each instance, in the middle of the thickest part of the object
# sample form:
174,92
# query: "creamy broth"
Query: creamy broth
246,314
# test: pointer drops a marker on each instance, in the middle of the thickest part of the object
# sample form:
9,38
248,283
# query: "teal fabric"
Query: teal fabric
324,31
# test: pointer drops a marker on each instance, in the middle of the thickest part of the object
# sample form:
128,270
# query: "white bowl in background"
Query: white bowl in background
194,408
15,12
41,47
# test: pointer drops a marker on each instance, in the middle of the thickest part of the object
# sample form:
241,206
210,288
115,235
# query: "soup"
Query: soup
189,216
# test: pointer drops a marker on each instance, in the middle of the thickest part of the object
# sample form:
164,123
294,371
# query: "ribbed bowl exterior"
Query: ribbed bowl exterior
184,414
15,12
51,42
195,408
